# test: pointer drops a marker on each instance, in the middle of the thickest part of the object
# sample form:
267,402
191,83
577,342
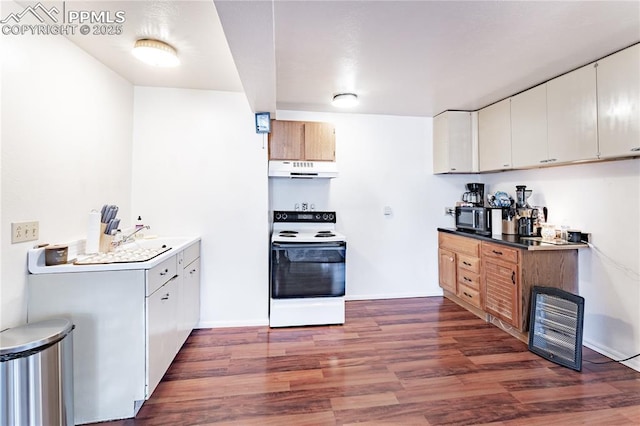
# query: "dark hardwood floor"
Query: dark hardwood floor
422,361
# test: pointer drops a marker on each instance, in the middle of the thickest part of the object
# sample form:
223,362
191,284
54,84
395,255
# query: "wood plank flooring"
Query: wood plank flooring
422,361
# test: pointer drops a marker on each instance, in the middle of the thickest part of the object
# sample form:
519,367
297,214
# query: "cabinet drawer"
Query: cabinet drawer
160,274
469,295
498,251
462,245
469,263
470,279
191,253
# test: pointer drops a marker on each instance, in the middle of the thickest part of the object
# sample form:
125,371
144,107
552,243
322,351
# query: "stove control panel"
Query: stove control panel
304,217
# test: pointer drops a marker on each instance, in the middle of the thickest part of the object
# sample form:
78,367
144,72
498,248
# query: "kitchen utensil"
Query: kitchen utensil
500,199
574,236
55,255
112,226
548,232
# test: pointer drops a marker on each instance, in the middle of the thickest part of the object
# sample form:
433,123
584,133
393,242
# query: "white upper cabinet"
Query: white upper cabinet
619,103
572,116
452,147
494,137
529,146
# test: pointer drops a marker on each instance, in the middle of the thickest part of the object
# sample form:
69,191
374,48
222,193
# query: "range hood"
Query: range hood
303,169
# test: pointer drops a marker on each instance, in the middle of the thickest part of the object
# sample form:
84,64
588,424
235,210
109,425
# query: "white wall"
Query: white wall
199,168
382,161
66,148
603,199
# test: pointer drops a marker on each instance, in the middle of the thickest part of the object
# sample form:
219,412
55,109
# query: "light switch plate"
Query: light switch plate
24,231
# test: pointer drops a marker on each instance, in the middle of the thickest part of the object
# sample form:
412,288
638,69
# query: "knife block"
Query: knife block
105,240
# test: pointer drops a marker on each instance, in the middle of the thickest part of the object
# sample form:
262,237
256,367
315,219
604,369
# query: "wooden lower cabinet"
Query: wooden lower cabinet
447,268
501,289
459,264
495,280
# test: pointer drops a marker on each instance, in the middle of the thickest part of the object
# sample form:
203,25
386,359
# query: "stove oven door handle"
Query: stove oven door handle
310,245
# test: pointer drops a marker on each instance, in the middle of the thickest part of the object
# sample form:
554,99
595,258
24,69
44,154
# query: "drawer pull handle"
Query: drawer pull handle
469,280
466,263
451,259
165,272
165,297
467,294
499,253
513,277
192,271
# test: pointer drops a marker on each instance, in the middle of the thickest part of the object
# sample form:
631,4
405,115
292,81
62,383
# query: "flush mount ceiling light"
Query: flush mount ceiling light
156,53
345,100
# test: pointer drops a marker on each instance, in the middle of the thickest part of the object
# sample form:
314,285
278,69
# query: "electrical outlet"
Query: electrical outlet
24,231
449,211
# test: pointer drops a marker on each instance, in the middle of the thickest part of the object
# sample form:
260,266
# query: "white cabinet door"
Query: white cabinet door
619,103
572,116
452,147
529,128
494,136
192,295
161,332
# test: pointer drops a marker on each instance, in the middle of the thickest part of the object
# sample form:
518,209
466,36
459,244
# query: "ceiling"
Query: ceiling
411,58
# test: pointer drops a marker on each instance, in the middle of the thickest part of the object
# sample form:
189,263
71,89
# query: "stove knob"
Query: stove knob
331,216
325,217
317,216
284,216
278,216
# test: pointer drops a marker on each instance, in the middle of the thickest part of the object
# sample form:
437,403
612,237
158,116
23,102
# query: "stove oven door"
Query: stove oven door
300,270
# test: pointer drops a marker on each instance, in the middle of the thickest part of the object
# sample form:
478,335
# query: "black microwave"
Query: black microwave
473,219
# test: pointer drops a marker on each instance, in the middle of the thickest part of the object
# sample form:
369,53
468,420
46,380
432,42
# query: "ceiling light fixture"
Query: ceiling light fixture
156,53
345,100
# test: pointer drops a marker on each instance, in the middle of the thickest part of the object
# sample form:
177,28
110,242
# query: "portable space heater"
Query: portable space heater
555,326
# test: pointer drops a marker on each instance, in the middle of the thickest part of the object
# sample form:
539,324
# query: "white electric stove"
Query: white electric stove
308,270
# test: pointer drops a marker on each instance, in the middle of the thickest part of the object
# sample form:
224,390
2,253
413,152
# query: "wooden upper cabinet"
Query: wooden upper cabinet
320,141
302,140
618,78
572,116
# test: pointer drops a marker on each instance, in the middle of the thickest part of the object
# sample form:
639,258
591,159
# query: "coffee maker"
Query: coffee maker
474,194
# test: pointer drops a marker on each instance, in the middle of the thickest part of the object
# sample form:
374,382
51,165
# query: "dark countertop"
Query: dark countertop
525,243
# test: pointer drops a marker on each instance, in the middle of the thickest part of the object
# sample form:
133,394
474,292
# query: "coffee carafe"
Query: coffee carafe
474,194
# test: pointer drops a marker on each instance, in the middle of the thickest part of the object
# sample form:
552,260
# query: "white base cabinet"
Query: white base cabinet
130,324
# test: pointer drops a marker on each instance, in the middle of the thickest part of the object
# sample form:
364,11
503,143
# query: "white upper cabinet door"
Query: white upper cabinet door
572,116
452,142
619,103
494,136
529,128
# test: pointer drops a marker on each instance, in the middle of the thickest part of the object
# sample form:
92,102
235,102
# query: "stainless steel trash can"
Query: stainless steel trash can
36,374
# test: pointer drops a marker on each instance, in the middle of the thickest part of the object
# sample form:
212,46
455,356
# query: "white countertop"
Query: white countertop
36,256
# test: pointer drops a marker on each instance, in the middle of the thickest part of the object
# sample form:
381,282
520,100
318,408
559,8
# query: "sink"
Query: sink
142,253
124,254
157,242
